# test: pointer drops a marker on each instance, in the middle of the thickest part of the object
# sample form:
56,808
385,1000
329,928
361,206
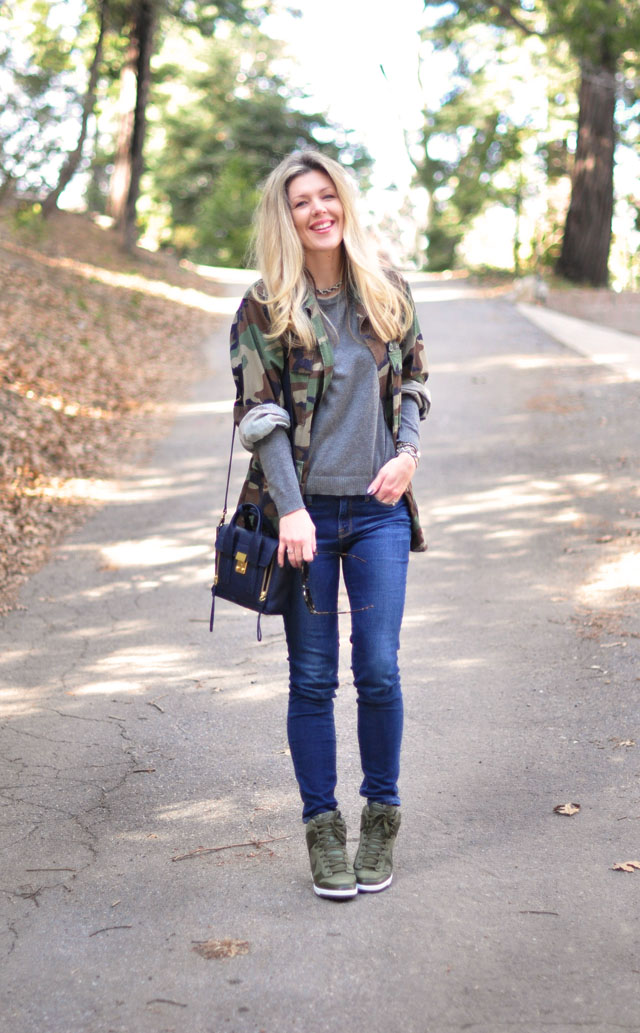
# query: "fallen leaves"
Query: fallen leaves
552,402
216,949
86,365
567,809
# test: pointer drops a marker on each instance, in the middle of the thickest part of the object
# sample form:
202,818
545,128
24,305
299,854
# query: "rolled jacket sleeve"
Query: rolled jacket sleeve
256,362
420,393
259,421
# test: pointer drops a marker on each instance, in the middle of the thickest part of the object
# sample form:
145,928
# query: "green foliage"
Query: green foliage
28,223
222,119
205,16
223,217
40,61
593,29
598,31
35,61
42,58
507,130
480,142
220,115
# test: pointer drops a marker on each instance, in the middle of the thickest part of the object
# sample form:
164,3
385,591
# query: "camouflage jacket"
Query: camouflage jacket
257,365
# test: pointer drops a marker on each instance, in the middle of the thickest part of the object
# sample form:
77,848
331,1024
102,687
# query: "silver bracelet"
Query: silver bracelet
406,446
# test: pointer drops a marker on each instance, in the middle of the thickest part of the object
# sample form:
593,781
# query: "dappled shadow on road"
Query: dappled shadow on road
493,500
521,673
128,731
131,737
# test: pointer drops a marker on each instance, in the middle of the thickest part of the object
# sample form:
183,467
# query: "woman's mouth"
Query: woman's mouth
322,227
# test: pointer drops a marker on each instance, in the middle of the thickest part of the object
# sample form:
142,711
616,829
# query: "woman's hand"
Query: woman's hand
297,538
393,479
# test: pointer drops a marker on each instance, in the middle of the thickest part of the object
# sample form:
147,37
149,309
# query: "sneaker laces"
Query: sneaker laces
332,846
377,833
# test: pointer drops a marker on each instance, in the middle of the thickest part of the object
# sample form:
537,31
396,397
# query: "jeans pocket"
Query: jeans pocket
383,505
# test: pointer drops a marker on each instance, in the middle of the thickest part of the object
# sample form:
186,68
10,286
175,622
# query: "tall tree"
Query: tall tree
126,106
37,95
587,233
603,37
493,140
74,158
473,143
143,35
144,18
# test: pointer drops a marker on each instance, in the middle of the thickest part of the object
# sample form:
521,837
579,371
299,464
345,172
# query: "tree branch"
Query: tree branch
506,12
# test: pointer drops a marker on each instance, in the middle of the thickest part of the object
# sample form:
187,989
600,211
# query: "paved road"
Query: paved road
131,738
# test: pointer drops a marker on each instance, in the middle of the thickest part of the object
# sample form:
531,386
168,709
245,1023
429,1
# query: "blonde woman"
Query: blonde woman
341,329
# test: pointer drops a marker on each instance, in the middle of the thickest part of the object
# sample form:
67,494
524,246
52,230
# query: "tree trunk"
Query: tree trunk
121,175
587,233
7,187
145,24
70,166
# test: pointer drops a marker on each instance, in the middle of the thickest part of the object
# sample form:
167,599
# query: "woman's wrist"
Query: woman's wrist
407,448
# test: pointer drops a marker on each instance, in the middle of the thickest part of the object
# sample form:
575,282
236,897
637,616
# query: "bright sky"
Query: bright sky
340,45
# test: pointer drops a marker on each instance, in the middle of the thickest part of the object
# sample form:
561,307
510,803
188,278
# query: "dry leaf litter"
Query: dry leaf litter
93,345
216,949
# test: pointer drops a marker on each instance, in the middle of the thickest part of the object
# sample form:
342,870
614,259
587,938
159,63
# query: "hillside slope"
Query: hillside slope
93,345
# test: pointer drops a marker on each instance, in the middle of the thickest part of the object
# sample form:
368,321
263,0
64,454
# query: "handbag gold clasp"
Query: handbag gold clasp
241,563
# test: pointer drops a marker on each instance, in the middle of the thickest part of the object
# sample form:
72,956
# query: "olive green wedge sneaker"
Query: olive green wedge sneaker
373,865
331,868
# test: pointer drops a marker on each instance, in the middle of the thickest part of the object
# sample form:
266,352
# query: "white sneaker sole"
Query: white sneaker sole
336,894
376,887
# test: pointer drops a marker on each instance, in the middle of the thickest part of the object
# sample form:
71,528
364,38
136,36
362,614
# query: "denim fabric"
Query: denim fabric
370,542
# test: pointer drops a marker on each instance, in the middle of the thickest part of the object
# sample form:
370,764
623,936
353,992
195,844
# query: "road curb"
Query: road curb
614,348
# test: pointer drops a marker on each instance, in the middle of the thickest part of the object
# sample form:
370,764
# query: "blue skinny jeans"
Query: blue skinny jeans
370,542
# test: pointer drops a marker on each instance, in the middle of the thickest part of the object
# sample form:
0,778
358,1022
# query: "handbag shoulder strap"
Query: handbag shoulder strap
226,490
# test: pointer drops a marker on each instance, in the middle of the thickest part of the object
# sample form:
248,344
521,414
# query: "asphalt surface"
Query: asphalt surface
149,813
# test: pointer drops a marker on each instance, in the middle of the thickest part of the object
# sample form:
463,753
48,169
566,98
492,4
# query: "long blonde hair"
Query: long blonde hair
279,256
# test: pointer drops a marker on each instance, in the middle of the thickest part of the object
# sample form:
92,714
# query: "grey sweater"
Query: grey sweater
350,439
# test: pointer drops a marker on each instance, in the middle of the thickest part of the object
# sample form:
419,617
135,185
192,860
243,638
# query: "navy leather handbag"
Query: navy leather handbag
246,566
246,570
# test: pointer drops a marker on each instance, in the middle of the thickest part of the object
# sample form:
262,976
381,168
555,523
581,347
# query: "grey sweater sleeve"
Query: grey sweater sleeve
274,453
410,420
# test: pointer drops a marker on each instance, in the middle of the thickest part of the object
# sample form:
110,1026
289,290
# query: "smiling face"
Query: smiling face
317,212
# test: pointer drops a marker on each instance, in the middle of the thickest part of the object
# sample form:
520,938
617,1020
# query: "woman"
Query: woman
345,329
